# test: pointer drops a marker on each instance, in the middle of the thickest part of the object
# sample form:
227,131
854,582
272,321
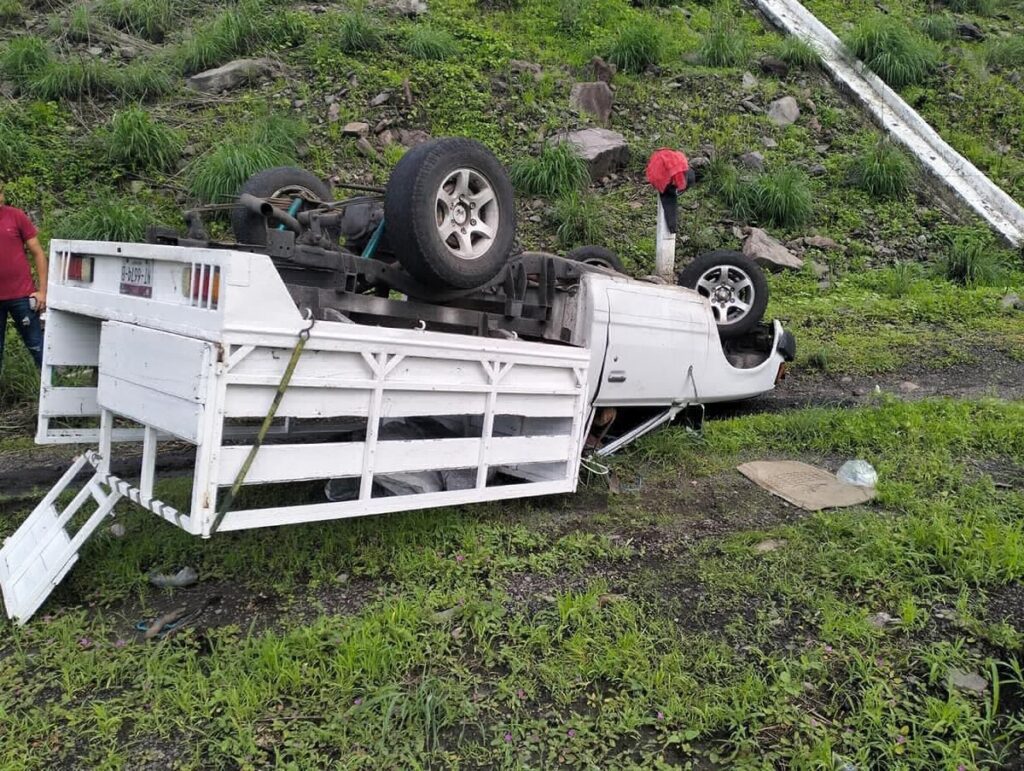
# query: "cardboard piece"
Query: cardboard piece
805,486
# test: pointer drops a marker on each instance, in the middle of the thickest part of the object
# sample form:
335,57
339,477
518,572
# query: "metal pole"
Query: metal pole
664,248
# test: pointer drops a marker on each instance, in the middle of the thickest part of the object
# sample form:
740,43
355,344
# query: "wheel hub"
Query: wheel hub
460,215
723,294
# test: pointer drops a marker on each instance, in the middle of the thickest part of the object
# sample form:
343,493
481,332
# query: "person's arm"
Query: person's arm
41,271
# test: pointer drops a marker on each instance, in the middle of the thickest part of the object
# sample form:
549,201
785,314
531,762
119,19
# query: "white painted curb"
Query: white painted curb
901,121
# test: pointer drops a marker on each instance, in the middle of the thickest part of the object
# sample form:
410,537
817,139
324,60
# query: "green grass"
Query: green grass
578,16
429,43
884,171
1007,53
979,7
106,218
217,175
897,54
149,19
726,44
251,25
940,27
13,146
358,32
79,26
24,56
782,197
19,379
637,46
578,219
138,143
557,172
73,80
973,259
797,52
10,11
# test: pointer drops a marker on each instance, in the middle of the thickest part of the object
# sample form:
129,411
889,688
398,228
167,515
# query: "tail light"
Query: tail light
201,285
79,268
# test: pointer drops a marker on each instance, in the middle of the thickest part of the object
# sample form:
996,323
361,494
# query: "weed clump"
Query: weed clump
637,46
425,42
579,220
357,32
782,198
236,31
149,19
10,11
74,79
899,280
883,171
216,176
940,27
726,44
12,146
557,172
107,218
575,16
898,55
797,52
138,143
979,7
23,57
1006,53
973,259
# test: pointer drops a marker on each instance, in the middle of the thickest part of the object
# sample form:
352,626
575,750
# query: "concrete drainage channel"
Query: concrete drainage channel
954,172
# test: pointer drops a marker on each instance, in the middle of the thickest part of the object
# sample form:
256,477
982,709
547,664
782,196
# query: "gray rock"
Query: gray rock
967,681
334,112
969,31
752,160
95,51
129,52
908,387
769,545
784,111
525,68
820,271
593,99
773,66
880,620
768,252
356,129
603,150
700,166
770,143
233,74
386,137
409,7
412,137
603,71
749,82
750,107
1012,301
820,242
817,170
381,99
365,148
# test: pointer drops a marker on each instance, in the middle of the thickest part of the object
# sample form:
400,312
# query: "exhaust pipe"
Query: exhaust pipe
266,209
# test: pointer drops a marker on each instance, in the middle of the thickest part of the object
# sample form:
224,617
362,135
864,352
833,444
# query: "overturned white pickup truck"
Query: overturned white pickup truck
291,359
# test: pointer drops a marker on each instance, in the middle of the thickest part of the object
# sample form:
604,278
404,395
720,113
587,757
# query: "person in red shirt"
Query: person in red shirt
19,297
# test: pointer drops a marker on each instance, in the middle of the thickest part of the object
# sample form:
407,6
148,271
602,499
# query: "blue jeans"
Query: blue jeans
26,321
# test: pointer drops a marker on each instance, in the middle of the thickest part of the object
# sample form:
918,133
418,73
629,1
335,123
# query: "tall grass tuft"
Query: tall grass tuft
897,54
143,79
73,79
940,27
423,42
979,7
637,46
236,31
725,181
216,176
579,219
79,26
1006,53
148,19
23,57
358,32
107,218
12,147
973,259
726,44
883,171
782,198
10,11
797,52
138,143
900,280
576,16
557,172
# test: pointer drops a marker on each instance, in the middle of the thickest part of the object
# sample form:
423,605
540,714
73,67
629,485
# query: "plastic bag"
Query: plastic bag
858,472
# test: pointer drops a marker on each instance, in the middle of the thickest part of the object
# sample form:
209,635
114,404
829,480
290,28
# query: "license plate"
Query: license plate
137,277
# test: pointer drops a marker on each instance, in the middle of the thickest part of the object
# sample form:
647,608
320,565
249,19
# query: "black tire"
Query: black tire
418,203
251,228
597,255
726,278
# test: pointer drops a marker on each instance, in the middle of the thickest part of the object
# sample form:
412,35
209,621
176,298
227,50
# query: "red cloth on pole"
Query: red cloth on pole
665,167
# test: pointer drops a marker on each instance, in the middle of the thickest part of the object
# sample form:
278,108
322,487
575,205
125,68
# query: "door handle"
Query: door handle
617,376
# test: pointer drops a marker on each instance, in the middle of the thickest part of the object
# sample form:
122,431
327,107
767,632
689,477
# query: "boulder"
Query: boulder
768,252
603,150
749,82
603,71
753,161
593,99
412,137
233,74
784,111
381,99
971,682
523,67
968,31
411,8
1012,301
365,148
356,129
820,242
771,65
